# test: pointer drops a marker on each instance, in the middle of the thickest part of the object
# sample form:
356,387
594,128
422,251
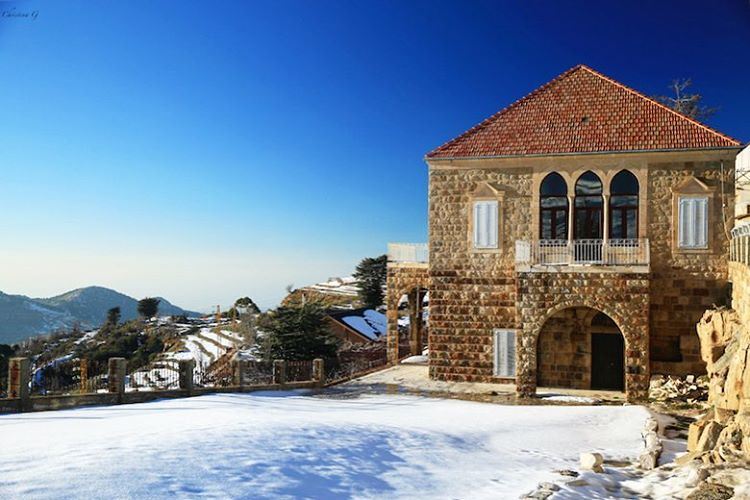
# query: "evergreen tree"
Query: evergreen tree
113,316
247,304
148,307
371,274
298,332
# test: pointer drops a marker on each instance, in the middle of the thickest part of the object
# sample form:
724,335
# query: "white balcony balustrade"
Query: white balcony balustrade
408,253
594,252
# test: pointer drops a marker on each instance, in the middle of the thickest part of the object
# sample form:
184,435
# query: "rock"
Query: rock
696,476
592,461
711,491
687,458
652,425
567,472
695,431
549,486
690,379
649,460
652,441
576,483
709,437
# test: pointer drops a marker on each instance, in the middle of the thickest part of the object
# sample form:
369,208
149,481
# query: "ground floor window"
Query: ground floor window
505,353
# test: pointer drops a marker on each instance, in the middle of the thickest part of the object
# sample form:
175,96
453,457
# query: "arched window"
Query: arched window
553,206
623,206
588,207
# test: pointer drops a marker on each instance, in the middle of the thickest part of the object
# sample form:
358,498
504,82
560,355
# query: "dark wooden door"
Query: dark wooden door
607,361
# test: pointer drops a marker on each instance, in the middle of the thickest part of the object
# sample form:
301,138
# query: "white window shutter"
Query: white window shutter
485,224
505,353
692,228
492,223
701,222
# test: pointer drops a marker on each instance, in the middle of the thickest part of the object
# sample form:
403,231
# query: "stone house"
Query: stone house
575,239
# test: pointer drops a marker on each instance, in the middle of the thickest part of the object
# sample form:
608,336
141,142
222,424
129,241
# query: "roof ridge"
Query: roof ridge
654,101
510,106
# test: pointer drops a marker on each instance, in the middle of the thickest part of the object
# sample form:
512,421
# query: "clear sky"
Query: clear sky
208,150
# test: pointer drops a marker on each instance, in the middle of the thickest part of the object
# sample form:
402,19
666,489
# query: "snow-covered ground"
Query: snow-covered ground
265,445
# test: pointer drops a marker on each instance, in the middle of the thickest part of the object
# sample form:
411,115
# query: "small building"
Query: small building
575,239
358,326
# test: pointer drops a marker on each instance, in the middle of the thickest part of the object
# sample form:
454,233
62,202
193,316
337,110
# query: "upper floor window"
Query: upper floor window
486,224
692,201
623,206
588,207
553,201
692,225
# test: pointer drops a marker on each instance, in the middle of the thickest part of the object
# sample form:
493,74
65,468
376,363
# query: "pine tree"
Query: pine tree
371,274
113,317
148,307
247,304
298,332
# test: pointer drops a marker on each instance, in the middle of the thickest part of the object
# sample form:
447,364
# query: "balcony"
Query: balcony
408,253
582,255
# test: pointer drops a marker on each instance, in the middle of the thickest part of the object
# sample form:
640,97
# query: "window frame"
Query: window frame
554,211
485,193
692,187
680,200
622,211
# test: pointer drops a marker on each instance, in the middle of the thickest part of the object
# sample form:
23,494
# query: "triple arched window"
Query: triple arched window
588,207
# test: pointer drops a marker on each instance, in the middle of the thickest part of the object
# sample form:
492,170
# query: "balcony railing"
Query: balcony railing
630,252
418,253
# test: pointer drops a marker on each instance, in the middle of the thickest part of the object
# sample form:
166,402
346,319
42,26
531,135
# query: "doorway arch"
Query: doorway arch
581,348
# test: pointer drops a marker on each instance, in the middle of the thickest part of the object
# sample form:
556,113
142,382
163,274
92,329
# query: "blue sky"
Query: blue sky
208,150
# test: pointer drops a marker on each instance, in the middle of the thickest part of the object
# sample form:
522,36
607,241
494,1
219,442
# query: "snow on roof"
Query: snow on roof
368,322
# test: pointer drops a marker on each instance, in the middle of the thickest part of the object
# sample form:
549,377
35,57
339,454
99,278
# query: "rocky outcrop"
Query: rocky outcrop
723,433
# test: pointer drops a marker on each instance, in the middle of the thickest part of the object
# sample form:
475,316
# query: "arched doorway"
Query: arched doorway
581,348
413,314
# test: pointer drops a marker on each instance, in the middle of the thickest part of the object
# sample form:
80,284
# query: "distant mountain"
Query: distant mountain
22,317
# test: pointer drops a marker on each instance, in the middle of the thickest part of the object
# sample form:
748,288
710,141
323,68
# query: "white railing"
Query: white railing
739,245
630,252
408,252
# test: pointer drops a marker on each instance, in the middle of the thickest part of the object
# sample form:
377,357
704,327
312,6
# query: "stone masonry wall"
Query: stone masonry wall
684,285
472,292
622,297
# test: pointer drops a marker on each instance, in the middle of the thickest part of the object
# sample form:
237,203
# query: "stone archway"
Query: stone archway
411,281
581,348
622,297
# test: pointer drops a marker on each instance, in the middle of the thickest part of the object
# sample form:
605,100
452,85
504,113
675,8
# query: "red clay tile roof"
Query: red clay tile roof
582,111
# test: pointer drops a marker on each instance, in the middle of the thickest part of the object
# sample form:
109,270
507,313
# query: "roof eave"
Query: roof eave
581,153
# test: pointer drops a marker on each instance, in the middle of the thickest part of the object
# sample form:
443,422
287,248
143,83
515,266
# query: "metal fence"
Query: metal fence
299,371
155,376
258,373
69,376
213,376
340,372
